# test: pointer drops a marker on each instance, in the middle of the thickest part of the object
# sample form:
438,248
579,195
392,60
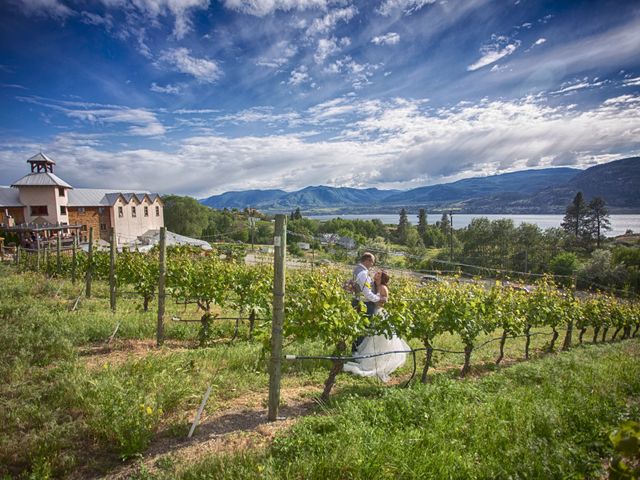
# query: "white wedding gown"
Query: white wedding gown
377,365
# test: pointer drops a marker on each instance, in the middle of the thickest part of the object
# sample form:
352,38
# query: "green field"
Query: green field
73,406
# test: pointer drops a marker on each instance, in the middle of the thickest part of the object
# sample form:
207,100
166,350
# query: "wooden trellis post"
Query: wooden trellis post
162,270
89,265
279,261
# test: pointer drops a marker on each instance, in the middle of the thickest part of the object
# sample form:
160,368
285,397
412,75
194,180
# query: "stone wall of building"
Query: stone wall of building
96,217
16,212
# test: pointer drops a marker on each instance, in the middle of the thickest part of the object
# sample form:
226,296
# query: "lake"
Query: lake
619,223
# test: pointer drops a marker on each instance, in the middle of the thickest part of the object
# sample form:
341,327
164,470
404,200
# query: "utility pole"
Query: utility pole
451,234
252,224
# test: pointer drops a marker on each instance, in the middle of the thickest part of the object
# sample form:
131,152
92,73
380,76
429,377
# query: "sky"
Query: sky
200,97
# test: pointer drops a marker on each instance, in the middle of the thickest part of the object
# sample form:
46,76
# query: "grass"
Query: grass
70,404
544,419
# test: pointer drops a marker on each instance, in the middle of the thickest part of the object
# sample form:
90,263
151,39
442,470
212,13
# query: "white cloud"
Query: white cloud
407,6
13,85
328,22
498,48
570,87
326,47
260,114
390,38
152,9
277,55
398,143
261,8
140,121
46,8
94,19
299,76
540,41
203,69
631,82
171,89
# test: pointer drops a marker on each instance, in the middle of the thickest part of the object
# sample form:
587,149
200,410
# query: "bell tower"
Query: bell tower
40,163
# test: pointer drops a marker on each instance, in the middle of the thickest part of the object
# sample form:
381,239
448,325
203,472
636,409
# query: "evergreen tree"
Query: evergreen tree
574,218
403,227
422,223
597,219
296,215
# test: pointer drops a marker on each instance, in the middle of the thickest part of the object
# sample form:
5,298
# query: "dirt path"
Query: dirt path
119,351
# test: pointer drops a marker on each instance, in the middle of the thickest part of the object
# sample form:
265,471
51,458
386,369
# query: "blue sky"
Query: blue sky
198,97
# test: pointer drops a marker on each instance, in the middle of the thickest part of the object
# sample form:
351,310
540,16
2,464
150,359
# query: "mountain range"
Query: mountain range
547,190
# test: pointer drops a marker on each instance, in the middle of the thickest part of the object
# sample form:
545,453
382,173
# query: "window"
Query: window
103,227
133,212
120,212
146,211
100,210
83,228
63,210
39,210
81,210
61,191
157,211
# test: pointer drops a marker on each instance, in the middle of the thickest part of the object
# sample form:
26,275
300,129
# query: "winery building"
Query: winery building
43,202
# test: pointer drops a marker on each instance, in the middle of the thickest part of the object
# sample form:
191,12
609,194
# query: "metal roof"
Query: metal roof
41,157
9,197
90,197
44,179
152,237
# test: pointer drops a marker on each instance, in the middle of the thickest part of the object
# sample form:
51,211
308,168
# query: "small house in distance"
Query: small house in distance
41,204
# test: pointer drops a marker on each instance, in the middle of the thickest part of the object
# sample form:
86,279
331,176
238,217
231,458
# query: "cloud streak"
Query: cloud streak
498,48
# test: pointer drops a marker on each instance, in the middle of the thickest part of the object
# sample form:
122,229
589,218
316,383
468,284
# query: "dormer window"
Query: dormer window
61,191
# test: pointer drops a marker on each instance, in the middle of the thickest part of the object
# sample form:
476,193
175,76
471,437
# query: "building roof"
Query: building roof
42,179
9,197
90,197
97,197
152,237
41,157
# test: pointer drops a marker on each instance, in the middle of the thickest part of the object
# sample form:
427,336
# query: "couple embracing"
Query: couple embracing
373,352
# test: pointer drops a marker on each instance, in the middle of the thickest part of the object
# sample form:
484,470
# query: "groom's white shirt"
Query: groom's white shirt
365,283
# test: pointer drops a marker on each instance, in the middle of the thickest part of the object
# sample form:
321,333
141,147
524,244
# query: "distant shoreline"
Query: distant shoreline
620,223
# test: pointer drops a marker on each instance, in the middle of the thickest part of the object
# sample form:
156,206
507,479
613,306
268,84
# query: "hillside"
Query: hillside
528,191
523,182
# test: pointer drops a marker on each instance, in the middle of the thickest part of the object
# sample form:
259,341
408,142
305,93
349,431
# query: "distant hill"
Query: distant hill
523,182
307,198
528,191
246,198
617,182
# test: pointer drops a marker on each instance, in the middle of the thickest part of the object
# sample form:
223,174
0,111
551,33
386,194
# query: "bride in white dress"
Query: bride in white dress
377,365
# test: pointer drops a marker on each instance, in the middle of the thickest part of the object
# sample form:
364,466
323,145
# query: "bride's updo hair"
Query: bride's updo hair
384,278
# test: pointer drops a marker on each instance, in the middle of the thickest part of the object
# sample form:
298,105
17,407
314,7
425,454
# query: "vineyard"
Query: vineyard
222,308
318,308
